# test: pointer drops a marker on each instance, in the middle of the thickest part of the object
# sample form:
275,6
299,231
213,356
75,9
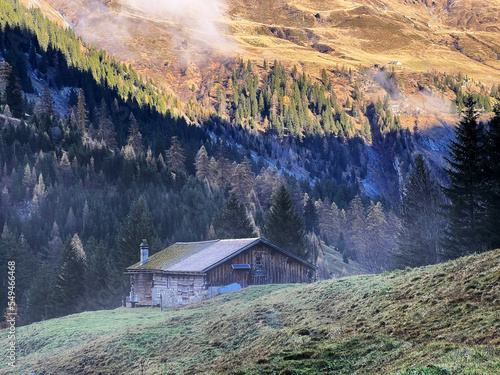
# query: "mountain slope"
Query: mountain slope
439,319
162,40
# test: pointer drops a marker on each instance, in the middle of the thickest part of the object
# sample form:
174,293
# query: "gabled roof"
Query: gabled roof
201,256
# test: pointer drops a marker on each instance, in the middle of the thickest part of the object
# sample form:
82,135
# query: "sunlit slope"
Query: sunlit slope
176,47
463,36
439,319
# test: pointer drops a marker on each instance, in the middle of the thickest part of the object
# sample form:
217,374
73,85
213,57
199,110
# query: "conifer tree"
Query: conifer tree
42,294
465,231
243,180
342,248
232,220
100,278
492,185
14,95
137,225
82,112
176,159
54,249
106,130
46,104
283,226
202,164
311,216
421,219
70,286
134,139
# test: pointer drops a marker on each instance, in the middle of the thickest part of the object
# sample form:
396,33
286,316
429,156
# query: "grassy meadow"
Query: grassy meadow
442,319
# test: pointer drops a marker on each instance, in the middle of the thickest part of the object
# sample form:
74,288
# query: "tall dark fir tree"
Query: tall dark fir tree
283,226
138,225
232,220
421,219
492,178
465,232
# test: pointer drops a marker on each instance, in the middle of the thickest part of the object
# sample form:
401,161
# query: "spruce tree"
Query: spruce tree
70,287
421,219
342,248
106,130
14,94
82,112
46,104
465,211
232,220
283,226
176,159
42,294
243,180
134,135
101,278
492,186
137,225
202,164
311,216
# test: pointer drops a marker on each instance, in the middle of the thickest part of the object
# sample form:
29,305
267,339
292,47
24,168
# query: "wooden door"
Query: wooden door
260,267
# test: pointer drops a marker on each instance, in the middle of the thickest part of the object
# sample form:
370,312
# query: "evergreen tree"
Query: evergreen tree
283,226
421,219
492,186
134,135
202,164
46,104
376,254
175,157
14,95
311,216
243,180
232,220
342,248
82,112
137,225
102,282
70,286
106,130
465,231
42,295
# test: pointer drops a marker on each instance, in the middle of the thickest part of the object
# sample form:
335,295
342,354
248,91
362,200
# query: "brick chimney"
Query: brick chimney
144,251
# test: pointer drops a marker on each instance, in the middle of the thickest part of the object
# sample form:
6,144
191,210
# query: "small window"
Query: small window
258,260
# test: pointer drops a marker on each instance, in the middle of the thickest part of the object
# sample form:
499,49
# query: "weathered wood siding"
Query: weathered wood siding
141,284
267,266
176,290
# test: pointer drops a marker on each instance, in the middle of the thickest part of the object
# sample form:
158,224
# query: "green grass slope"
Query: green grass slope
336,266
442,319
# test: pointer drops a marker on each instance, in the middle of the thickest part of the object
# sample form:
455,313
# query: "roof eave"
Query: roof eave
260,240
289,254
151,270
232,255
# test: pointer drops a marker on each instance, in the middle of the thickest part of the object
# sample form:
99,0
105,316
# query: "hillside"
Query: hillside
165,38
421,56
439,319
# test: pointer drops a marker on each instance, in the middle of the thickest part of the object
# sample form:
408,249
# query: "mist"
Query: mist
195,25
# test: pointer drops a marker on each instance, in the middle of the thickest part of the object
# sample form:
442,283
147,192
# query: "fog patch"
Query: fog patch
388,83
197,27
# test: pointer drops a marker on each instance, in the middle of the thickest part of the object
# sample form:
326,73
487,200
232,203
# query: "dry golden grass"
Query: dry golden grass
440,35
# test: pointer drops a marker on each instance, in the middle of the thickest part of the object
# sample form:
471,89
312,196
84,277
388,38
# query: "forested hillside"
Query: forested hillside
93,158
89,167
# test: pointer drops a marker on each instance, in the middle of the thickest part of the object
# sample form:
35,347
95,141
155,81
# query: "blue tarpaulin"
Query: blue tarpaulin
230,288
